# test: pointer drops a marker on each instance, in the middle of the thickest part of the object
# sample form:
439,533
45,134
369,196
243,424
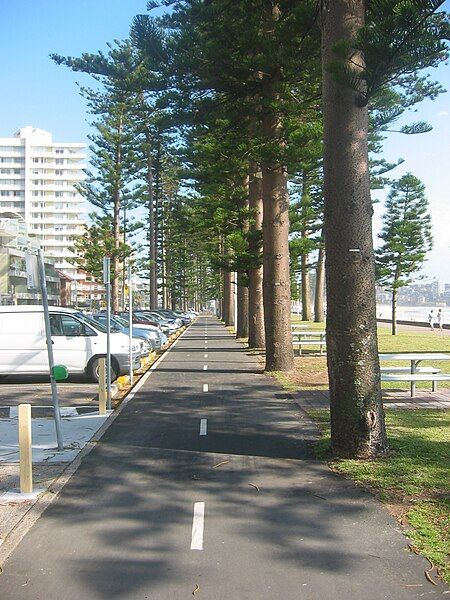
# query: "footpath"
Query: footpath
206,485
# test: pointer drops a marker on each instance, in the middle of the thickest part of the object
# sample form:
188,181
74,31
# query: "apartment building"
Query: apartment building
15,244
37,182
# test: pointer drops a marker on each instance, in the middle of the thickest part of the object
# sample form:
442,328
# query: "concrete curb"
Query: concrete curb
14,537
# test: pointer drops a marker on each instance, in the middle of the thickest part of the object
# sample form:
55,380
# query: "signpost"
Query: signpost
51,363
107,282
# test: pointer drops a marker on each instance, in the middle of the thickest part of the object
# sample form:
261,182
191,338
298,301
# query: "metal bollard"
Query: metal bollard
101,386
25,451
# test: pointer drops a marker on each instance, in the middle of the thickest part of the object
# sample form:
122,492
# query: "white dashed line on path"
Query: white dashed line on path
205,367
206,356
197,526
205,387
203,426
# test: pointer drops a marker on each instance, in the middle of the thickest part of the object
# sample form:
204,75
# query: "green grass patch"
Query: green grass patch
310,368
416,478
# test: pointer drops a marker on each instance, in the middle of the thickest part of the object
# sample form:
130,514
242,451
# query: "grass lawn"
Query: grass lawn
414,481
311,370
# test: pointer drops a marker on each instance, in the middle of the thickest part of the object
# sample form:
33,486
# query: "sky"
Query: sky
35,91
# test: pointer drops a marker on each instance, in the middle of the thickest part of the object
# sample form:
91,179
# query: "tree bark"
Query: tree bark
319,311
357,416
276,279
226,304
306,279
394,311
153,290
242,311
115,262
256,336
232,312
306,287
116,225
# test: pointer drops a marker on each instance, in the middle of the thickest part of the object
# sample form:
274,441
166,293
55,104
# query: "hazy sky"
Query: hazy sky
37,92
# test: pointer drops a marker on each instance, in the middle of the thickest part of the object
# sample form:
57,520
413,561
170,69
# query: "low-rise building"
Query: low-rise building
15,244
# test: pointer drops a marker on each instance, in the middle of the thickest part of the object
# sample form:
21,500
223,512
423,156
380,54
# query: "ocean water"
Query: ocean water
412,313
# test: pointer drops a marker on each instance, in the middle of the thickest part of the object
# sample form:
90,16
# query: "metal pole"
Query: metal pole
51,363
130,325
107,282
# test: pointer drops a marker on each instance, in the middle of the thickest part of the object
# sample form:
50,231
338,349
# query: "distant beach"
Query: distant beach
412,313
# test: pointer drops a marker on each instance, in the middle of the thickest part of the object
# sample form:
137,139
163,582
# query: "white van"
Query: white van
77,344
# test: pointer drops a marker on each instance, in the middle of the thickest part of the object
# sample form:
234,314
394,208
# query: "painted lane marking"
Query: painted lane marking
205,387
197,526
203,426
206,356
205,367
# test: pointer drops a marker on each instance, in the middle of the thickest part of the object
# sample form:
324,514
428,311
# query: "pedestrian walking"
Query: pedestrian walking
440,319
431,319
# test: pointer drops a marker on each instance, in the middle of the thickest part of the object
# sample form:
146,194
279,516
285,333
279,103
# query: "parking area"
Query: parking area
77,392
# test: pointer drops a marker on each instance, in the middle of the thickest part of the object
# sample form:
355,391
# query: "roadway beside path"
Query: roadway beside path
206,484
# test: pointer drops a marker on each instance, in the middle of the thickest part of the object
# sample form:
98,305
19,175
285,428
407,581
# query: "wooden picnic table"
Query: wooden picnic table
309,334
309,338
415,358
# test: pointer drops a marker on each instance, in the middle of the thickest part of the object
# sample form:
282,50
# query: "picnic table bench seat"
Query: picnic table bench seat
414,377
408,370
309,342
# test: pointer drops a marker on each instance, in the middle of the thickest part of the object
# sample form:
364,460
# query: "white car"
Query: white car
77,344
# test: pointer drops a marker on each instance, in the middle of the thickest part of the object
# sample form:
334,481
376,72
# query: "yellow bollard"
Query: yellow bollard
101,386
25,453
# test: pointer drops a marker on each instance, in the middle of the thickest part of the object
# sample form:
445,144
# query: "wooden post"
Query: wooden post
25,453
101,386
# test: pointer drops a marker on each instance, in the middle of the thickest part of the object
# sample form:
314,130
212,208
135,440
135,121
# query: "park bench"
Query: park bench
408,370
417,376
309,342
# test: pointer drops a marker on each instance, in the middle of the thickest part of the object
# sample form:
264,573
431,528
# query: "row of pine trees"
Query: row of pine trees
246,137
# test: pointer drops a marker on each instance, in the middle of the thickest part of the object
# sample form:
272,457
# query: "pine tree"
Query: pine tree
406,236
366,47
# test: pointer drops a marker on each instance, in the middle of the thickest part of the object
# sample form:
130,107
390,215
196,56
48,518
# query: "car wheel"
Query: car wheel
94,371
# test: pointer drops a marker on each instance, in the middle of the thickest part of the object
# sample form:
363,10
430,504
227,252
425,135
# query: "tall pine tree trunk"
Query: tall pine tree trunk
115,262
232,312
241,277
304,259
226,297
153,291
394,311
319,310
306,286
116,223
276,279
242,311
357,416
276,276
256,337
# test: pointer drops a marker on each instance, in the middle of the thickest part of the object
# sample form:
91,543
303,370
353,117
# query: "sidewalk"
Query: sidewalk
206,483
392,399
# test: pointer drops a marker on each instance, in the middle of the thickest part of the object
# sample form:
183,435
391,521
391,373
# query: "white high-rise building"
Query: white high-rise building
37,177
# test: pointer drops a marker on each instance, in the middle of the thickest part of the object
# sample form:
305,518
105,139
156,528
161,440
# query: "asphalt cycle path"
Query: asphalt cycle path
206,485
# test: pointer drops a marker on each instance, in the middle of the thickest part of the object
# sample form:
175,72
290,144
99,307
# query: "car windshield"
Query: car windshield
121,321
92,322
154,317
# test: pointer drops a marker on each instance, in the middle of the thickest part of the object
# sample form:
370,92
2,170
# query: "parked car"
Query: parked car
145,323
168,324
121,324
141,319
171,316
77,342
